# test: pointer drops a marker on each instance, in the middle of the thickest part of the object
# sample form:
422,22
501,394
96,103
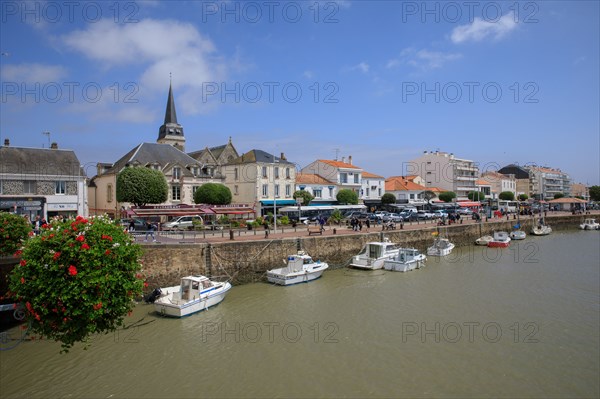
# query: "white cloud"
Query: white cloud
33,73
579,60
422,59
308,74
363,67
479,29
160,47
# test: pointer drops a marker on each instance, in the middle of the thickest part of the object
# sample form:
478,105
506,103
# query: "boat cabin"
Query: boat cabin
376,250
298,262
192,286
407,255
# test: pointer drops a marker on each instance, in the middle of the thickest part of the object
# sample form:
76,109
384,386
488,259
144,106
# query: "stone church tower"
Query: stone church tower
171,132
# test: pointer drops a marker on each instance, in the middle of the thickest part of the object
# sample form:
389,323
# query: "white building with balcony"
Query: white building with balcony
445,171
550,182
343,174
499,182
323,190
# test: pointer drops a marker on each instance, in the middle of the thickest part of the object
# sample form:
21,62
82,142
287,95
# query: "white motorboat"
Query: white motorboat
300,268
485,240
373,255
517,235
501,240
589,224
194,294
541,228
440,247
405,260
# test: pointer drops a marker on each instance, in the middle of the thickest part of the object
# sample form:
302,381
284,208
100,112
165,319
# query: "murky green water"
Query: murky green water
518,322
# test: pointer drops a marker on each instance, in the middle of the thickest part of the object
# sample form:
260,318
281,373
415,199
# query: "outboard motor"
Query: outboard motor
153,295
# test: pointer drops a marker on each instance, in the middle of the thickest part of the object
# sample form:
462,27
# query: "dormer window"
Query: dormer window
176,173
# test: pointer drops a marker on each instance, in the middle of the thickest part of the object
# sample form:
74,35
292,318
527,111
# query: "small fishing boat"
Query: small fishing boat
299,268
373,255
485,240
405,260
194,294
589,224
517,235
541,229
441,247
501,240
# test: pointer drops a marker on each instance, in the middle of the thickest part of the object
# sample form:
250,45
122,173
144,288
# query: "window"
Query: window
265,190
412,196
60,187
176,173
195,170
29,187
356,178
287,173
368,192
330,192
276,190
343,178
176,193
109,193
235,190
235,174
379,192
276,172
264,172
318,193
288,190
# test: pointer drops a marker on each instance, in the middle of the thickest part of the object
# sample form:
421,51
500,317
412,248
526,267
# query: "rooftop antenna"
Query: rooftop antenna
46,134
337,152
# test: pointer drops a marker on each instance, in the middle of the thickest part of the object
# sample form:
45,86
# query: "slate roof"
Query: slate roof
259,156
149,153
40,161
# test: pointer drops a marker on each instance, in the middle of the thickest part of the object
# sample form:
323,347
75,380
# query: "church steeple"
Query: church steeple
171,132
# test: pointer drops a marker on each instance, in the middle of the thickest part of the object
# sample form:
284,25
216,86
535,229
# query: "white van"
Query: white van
183,223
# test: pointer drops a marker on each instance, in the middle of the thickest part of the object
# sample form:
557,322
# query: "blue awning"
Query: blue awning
279,202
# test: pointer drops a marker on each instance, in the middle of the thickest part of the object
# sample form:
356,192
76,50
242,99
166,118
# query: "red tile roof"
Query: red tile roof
371,175
339,164
398,183
305,178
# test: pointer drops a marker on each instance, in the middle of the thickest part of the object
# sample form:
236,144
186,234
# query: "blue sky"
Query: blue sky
495,82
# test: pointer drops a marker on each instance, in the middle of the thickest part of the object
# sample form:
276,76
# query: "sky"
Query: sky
382,81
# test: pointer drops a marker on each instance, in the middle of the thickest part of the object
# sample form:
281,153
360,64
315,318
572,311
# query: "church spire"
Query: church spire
171,132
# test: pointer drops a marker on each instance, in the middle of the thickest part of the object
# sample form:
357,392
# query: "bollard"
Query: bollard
231,234
334,231
401,225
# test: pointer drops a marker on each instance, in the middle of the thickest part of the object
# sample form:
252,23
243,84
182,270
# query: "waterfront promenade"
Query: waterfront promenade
215,236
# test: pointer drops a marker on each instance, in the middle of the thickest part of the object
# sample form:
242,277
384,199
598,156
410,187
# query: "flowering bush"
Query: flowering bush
13,230
77,278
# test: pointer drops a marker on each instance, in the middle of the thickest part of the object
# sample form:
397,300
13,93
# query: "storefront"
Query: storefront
30,206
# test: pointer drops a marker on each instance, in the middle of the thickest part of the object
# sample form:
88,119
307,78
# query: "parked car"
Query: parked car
358,215
424,215
464,211
409,214
393,217
380,214
439,214
183,223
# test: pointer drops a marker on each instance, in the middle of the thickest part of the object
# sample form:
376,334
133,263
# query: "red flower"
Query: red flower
85,246
98,306
45,226
22,280
145,284
23,262
31,233
56,256
74,228
105,237
107,252
80,238
72,270
18,252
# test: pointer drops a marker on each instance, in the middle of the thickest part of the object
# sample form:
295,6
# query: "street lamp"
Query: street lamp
274,197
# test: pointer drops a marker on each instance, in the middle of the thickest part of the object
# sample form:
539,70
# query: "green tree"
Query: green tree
336,216
141,186
388,198
447,196
558,195
476,196
347,197
595,193
78,278
428,195
213,194
523,197
305,195
506,196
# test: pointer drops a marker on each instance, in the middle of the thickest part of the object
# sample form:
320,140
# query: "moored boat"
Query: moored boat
405,260
300,268
194,294
518,235
440,247
589,224
501,240
373,255
484,240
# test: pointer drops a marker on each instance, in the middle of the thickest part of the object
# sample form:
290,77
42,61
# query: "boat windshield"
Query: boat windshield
308,261
375,251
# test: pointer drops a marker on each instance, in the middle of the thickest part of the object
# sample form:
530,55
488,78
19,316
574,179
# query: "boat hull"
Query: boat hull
397,266
167,306
281,279
498,244
368,263
518,235
543,231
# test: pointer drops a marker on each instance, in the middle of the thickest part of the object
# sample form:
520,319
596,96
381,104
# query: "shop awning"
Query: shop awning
278,202
468,204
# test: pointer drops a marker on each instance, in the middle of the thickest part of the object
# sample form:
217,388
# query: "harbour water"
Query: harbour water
517,322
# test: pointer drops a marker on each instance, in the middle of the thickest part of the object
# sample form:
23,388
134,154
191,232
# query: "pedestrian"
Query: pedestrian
150,231
266,226
36,225
322,222
360,225
131,226
368,224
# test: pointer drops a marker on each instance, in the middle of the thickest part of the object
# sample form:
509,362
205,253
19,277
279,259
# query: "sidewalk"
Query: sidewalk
191,237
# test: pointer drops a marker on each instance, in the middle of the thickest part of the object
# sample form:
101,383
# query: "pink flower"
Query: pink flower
72,270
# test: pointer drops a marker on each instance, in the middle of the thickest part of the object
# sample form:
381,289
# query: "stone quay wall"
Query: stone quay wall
247,261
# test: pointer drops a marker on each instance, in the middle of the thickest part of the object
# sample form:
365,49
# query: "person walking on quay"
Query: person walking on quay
368,224
131,226
266,226
150,231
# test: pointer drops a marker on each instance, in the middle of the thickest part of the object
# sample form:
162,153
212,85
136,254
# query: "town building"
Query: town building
550,182
344,174
485,187
580,190
525,182
445,171
262,180
323,190
42,182
406,190
500,183
184,174
372,189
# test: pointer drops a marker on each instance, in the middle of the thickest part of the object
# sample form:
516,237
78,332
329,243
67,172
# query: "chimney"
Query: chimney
343,159
54,146
6,142
282,157
350,159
